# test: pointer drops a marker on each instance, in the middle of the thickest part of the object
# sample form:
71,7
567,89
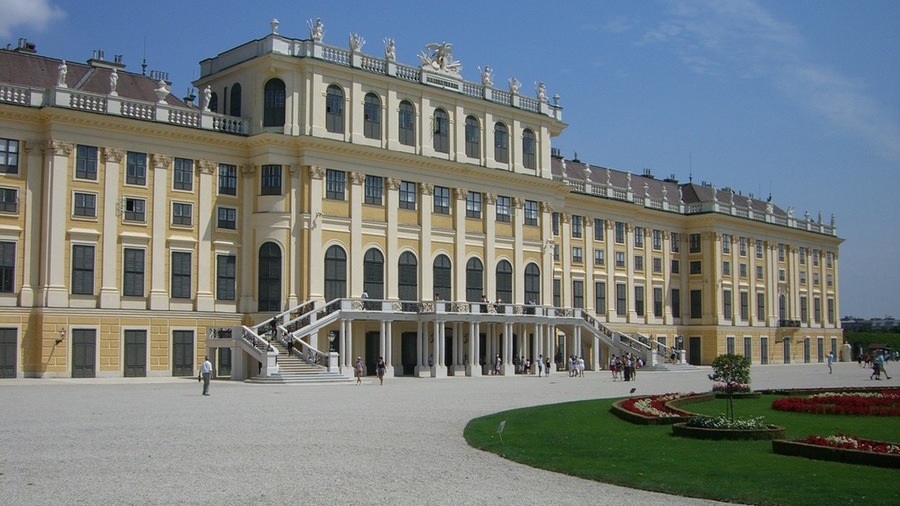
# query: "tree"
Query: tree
733,371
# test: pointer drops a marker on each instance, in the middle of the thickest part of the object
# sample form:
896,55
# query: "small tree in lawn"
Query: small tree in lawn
734,372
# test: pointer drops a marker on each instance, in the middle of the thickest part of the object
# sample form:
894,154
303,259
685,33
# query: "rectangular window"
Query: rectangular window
759,272
759,249
82,270
781,252
599,225
620,232
760,307
374,190
830,303
804,309
133,273
181,275
8,267
577,254
745,306
726,243
657,265
694,240
657,240
676,267
554,223
135,209
726,268
473,205
638,237
802,254
676,303
182,213
726,304
407,195
335,182
829,280
781,275
86,162
802,277
829,259
696,304
674,245
227,218
817,309
85,205
815,279
227,179
183,174
639,300
600,296
407,124
657,302
742,270
621,299
695,267
9,156
556,252
226,274
729,345
557,292
638,263
270,180
531,212
578,294
136,168
620,259
577,225
503,208
442,200
743,246
473,135
815,257
748,346
599,257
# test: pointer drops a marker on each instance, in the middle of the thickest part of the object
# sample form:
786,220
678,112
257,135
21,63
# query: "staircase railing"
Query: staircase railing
305,351
260,349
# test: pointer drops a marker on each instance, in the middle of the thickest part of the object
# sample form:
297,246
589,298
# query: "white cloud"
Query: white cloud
741,38
32,13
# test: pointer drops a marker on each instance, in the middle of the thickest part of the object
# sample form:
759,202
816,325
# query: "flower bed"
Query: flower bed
654,409
842,448
732,387
708,427
876,403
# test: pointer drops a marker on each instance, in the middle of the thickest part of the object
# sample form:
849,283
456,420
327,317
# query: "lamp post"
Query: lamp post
331,335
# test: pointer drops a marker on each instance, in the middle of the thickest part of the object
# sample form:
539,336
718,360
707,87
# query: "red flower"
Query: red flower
884,403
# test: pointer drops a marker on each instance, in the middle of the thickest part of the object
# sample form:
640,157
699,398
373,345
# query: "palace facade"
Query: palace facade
363,207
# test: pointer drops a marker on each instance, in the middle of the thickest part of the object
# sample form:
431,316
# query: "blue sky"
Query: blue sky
799,99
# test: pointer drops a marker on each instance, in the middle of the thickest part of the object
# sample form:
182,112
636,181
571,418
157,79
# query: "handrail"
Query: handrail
307,352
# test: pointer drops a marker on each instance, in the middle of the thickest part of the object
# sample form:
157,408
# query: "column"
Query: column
159,293
629,285
458,208
490,252
52,291
547,256
295,235
356,253
508,367
205,215
518,255
426,261
33,210
388,348
247,192
392,255
110,258
316,194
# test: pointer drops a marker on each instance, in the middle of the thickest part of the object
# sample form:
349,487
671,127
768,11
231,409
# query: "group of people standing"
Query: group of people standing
359,370
575,366
625,367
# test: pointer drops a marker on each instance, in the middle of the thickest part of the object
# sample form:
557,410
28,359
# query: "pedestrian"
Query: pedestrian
273,327
580,365
540,364
379,368
206,370
548,367
290,346
830,360
497,363
612,366
358,370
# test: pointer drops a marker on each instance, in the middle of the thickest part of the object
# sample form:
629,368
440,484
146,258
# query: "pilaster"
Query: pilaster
53,291
159,293
205,216
112,258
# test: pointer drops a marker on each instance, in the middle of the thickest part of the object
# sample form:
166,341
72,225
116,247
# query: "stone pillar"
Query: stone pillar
356,253
206,215
110,297
159,293
53,291
247,191
316,194
392,255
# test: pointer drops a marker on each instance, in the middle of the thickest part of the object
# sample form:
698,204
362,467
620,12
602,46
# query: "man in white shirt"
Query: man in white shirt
206,370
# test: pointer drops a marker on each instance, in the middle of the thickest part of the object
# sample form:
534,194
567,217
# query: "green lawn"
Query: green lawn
584,439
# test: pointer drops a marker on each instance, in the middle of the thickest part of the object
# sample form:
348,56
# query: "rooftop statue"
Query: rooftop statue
487,75
514,86
541,92
390,50
316,30
356,42
63,69
440,58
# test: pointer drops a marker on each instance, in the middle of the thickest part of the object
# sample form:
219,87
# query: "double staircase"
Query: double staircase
296,371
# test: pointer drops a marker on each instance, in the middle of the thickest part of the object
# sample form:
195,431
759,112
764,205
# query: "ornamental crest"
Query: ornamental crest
439,58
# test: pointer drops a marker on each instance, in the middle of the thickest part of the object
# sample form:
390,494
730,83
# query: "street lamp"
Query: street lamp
331,335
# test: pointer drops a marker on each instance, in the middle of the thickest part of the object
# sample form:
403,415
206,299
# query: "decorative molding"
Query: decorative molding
546,207
58,148
316,172
460,193
392,183
518,202
207,167
161,161
490,198
426,188
565,217
247,170
113,155
357,178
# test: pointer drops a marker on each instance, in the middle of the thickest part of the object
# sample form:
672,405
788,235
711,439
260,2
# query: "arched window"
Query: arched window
408,277
213,102
372,117
473,137
501,143
273,104
529,150
532,284
474,280
334,110
407,124
504,281
335,273
443,277
441,131
269,277
234,108
373,274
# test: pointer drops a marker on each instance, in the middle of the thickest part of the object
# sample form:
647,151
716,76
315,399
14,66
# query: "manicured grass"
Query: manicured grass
584,439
